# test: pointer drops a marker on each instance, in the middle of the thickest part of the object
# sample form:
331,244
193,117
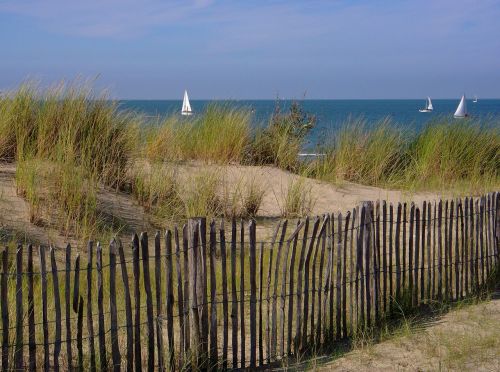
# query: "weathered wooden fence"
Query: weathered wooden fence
213,296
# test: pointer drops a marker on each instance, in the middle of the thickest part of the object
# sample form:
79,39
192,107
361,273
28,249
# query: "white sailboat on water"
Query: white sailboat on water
186,106
461,111
428,106
475,99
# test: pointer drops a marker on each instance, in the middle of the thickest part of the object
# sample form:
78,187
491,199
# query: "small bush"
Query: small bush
281,141
298,200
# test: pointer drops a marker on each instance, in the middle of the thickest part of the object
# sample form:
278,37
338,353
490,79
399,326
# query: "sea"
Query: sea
332,114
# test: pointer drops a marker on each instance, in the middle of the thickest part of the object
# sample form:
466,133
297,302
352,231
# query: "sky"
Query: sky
254,49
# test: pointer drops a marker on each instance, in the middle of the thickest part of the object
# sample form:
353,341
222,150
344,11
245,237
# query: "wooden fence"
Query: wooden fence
214,296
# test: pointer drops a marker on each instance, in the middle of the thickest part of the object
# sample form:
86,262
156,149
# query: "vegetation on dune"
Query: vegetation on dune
68,142
445,154
281,140
219,135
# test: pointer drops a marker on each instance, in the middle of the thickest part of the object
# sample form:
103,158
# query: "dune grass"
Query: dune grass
66,141
446,154
219,135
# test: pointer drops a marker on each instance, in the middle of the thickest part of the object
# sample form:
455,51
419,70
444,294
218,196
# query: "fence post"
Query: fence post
159,338
242,294
128,309
102,331
137,295
234,298
90,321
180,298
67,301
149,301
225,297
213,298
115,350
57,305
45,327
18,352
169,292
253,295
193,235
31,312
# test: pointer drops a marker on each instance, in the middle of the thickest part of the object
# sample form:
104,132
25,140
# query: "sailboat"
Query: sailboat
461,111
186,107
475,99
428,106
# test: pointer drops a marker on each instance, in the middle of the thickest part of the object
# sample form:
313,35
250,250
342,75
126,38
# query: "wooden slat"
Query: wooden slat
253,295
457,254
180,297
274,311
446,251
476,265
213,299
137,296
305,317
352,272
57,309
440,252
100,306
128,309
403,247
242,296
45,326
390,263
450,250
18,351
376,261
417,254
344,276
19,346
79,334
115,349
463,265
268,298
202,286
193,249
338,287
298,323
225,311
5,310
291,292
422,252
397,254
466,246
430,260
384,255
411,233
158,292
327,281
234,298
359,268
481,239
487,226
149,301
76,284
31,312
320,315
331,295
67,302
368,252
434,223
90,321
169,303
261,277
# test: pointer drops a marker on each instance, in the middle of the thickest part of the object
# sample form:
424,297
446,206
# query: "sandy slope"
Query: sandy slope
462,340
126,215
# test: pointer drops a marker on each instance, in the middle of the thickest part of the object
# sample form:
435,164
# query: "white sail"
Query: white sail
429,104
461,109
186,107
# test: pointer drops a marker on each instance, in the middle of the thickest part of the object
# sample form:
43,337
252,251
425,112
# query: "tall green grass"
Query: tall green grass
67,140
221,135
447,153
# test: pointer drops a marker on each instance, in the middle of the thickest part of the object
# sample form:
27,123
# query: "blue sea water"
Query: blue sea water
331,114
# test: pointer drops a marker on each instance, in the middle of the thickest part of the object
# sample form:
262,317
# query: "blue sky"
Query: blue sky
154,49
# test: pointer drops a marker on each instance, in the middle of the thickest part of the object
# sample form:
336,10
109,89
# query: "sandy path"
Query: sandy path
462,340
